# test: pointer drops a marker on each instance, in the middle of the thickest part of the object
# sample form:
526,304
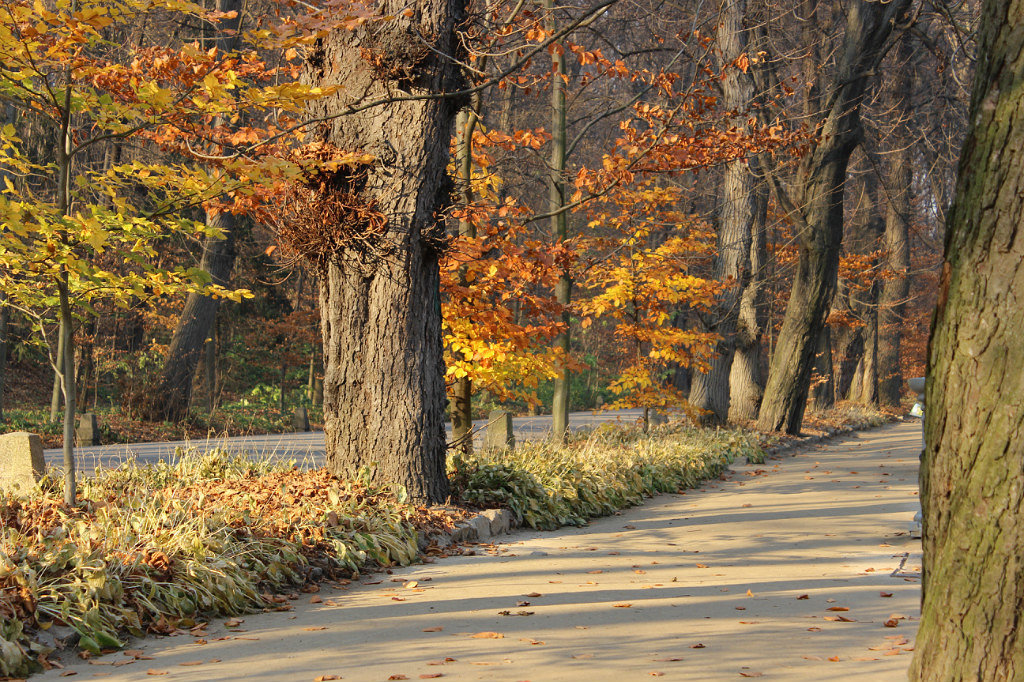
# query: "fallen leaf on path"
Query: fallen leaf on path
411,584
698,645
316,600
436,628
315,628
151,671
134,653
837,608
68,673
530,640
595,572
891,623
702,565
629,526
751,674
488,635
398,677
430,676
834,659
621,606
325,678
885,594
535,594
804,596
749,593
655,673
814,629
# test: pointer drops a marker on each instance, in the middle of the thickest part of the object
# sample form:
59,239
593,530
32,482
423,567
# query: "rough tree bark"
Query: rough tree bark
973,499
710,391
818,214
380,308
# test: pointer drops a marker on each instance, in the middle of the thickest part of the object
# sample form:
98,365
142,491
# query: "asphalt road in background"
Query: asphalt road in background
305,448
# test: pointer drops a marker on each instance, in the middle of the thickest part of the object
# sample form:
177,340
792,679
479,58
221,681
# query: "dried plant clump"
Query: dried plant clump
323,218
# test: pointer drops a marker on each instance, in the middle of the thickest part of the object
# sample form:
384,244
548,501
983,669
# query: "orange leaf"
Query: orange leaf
488,635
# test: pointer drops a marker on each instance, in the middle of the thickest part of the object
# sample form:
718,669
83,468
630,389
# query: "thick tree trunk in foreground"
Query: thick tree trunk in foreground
380,306
169,401
971,485
819,216
736,219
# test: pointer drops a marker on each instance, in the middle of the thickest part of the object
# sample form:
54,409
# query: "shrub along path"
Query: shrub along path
800,568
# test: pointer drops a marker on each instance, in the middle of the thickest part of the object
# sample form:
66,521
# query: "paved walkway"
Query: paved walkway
303,447
787,571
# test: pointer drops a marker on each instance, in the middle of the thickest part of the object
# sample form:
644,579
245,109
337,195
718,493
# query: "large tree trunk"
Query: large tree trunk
380,307
973,592
818,213
710,391
169,401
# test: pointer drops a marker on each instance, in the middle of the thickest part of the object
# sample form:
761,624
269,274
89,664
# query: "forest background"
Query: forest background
632,204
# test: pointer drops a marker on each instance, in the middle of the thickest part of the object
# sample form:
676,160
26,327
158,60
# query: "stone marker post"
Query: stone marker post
88,430
21,461
300,420
499,434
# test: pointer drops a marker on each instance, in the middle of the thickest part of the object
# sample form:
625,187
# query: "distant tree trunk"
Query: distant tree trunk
381,309
210,380
462,406
973,592
172,395
823,390
746,382
848,348
896,287
864,236
55,392
170,398
710,391
85,364
818,213
559,229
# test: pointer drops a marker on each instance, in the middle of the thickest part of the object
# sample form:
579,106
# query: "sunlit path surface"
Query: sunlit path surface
734,580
